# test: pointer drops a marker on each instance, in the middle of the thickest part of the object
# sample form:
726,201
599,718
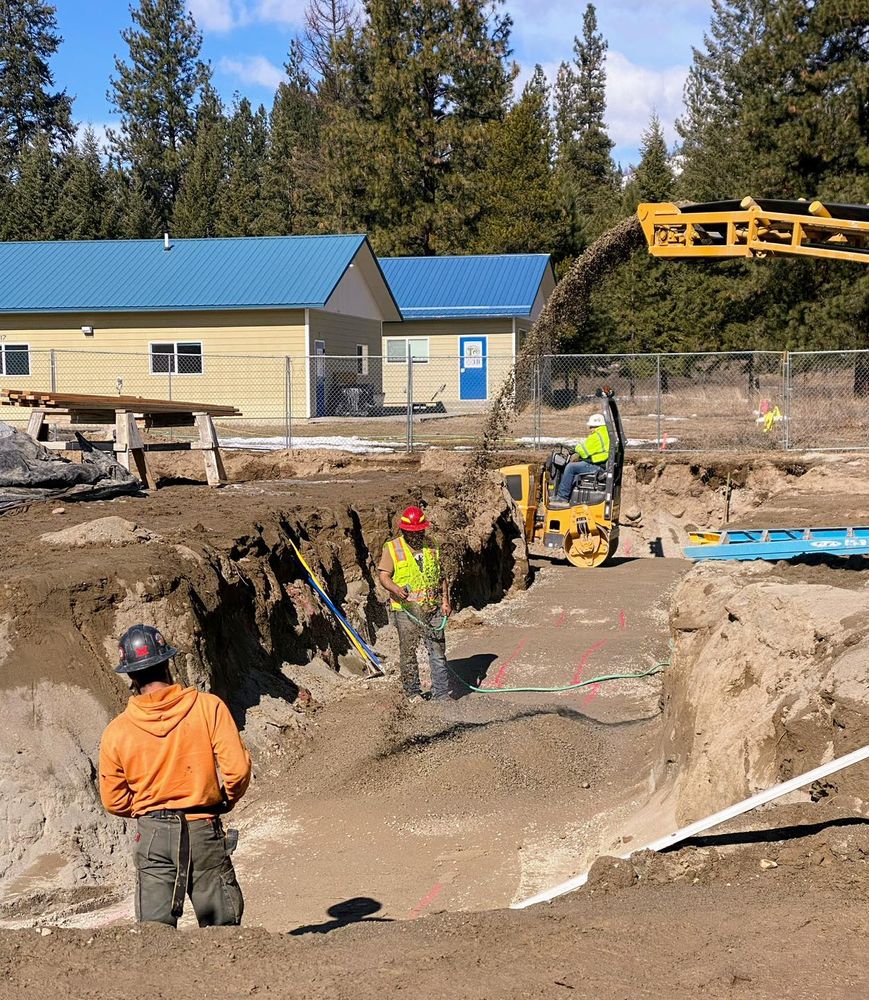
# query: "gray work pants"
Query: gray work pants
211,883
410,635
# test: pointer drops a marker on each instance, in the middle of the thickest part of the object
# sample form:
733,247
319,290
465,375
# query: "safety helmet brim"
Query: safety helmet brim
422,526
147,661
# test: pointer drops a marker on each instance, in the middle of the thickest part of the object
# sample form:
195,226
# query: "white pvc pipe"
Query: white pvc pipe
706,824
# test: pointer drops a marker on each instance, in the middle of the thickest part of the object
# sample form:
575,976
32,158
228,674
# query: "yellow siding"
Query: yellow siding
438,380
117,357
341,335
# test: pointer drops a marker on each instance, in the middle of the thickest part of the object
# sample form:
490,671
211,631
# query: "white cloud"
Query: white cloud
219,15
255,70
633,92
280,11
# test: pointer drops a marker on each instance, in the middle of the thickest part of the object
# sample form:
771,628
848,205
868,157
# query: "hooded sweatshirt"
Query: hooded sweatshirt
170,750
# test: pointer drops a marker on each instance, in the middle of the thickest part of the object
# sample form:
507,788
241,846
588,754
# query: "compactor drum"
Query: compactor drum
586,529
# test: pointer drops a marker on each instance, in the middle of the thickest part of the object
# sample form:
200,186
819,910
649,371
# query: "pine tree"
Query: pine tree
407,159
292,162
133,214
33,212
327,23
197,206
29,106
586,173
521,209
638,302
155,93
714,149
83,210
240,201
653,179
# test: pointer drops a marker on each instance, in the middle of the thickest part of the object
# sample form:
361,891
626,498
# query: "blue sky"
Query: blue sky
246,41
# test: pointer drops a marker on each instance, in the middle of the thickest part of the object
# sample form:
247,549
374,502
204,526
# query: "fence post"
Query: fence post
53,362
409,397
171,363
658,395
288,402
786,400
537,402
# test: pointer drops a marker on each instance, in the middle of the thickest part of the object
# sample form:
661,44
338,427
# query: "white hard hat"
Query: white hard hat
596,420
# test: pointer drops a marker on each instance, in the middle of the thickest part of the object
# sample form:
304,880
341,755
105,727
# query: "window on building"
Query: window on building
176,357
14,359
396,350
362,359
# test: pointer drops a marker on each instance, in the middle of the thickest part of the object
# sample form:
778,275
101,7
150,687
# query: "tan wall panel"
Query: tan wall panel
117,357
340,369
438,381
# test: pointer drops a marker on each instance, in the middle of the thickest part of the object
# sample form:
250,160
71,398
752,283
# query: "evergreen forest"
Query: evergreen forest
401,119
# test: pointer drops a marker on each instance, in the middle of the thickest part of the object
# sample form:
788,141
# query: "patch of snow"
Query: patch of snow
631,442
356,445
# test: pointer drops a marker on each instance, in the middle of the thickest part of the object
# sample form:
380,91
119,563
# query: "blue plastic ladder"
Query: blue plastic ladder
781,543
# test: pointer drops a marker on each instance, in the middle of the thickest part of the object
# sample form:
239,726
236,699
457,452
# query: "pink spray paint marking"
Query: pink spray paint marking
426,900
593,692
501,676
628,549
623,621
562,619
580,667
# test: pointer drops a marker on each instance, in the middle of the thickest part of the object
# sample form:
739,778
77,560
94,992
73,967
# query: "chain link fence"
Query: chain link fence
738,401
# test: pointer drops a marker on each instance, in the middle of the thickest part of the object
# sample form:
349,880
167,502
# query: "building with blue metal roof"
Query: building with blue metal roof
281,327
211,320
464,320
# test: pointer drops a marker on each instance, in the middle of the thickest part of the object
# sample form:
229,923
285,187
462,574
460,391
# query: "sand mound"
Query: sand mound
768,680
102,531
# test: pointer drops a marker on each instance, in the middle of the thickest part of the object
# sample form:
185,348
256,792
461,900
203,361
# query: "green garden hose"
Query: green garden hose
656,669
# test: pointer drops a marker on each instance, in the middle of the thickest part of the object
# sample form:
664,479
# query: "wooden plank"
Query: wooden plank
210,447
129,448
135,404
36,425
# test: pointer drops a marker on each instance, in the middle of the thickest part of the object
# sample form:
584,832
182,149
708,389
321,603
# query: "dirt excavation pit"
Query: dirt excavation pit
364,811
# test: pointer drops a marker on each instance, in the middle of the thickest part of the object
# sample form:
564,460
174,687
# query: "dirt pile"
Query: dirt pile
768,680
222,581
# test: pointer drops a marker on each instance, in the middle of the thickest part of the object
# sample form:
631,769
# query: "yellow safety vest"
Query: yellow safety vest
596,447
424,585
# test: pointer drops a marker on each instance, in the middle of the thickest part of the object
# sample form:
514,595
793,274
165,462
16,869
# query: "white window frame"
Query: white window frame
403,359
4,346
175,373
362,359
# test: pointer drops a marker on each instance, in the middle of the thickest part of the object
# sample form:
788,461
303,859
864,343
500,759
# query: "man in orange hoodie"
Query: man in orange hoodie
174,760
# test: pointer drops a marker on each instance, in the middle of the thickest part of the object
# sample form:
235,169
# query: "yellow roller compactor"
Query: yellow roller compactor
588,529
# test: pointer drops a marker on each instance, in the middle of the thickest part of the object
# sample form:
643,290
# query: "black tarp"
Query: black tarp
30,472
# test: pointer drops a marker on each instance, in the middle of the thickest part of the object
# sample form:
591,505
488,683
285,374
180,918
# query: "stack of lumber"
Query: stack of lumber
132,404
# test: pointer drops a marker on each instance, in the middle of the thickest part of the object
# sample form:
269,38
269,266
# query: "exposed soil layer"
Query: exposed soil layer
216,572
471,806
735,929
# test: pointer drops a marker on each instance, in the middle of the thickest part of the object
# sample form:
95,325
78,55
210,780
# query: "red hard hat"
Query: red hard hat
413,519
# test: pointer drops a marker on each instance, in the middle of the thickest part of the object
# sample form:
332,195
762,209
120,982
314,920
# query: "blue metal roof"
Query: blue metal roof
503,285
139,275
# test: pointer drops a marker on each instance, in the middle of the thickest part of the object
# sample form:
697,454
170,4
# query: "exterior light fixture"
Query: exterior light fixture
88,331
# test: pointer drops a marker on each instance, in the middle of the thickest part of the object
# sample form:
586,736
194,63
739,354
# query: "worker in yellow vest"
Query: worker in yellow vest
410,572
590,456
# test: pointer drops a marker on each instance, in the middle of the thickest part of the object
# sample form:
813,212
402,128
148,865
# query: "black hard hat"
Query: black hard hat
140,647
